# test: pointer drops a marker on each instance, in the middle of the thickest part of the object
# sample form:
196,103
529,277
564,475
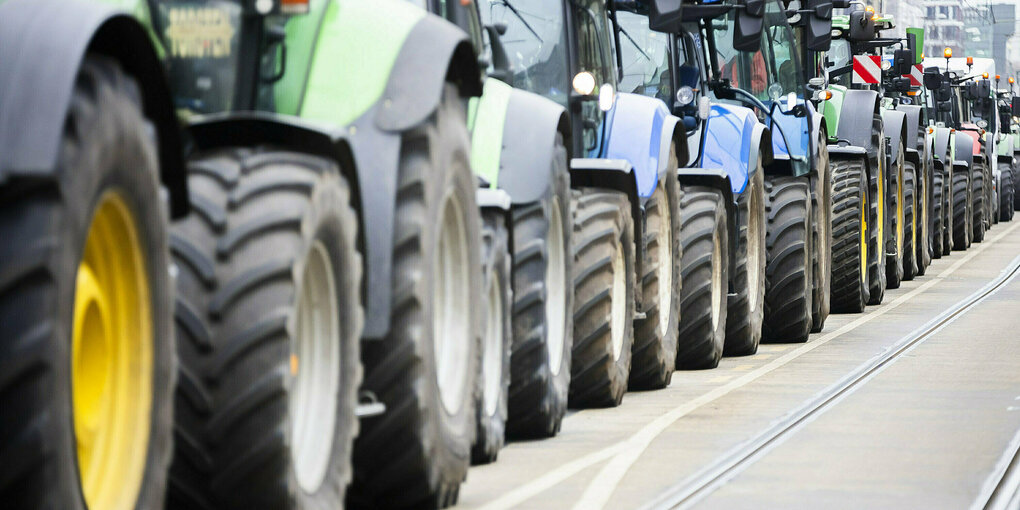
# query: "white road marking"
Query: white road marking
624,453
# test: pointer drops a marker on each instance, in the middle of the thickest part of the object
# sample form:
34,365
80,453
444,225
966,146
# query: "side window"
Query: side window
645,59
784,58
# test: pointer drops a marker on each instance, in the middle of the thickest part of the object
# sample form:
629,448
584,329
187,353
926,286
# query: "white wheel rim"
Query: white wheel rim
717,282
665,263
556,290
619,303
492,358
755,249
451,332
315,365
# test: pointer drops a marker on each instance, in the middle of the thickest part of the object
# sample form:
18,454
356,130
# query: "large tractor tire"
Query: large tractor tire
850,236
269,324
923,217
493,388
417,453
84,263
896,242
979,199
543,307
821,240
880,222
604,298
1016,183
788,268
938,247
704,235
1006,192
910,222
746,308
962,208
948,215
653,357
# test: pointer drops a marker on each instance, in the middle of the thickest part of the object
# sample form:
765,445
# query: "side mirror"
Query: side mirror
932,78
748,26
665,15
862,27
900,84
819,25
945,106
983,89
902,60
915,57
840,4
1014,107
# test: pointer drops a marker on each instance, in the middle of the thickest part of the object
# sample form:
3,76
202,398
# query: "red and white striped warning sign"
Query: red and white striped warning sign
916,75
867,69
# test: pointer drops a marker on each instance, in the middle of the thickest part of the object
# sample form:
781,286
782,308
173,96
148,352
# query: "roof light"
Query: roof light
948,52
984,75
997,77
1011,80
970,61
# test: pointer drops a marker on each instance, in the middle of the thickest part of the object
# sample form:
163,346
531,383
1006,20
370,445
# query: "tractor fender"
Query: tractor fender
964,151
856,117
910,154
719,179
819,131
435,52
614,174
791,140
915,131
844,152
42,46
895,128
641,130
529,136
942,148
732,142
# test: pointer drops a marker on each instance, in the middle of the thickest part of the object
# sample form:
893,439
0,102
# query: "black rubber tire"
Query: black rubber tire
744,315
850,193
241,254
653,357
923,216
895,249
1006,191
788,268
948,216
937,231
961,207
704,235
538,391
910,223
878,194
979,200
1015,166
603,229
496,286
44,223
821,241
417,453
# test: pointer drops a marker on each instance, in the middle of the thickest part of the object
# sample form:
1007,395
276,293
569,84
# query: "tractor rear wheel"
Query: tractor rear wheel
910,223
938,227
788,269
704,235
86,327
655,337
961,208
1006,195
948,214
543,307
417,453
923,217
894,263
821,241
879,220
979,198
746,308
604,292
269,314
849,236
494,377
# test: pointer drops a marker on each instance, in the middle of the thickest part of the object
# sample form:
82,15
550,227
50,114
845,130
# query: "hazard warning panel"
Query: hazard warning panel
867,69
916,75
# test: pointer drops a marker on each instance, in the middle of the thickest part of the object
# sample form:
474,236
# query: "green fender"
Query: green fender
831,109
486,118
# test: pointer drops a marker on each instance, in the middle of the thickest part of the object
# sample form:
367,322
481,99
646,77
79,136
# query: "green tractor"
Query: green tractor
332,245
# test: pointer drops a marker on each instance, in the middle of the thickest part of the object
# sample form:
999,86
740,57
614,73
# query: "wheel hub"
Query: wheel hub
665,264
556,290
451,334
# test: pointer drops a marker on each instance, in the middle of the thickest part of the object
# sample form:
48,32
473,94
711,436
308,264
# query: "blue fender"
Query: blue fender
42,45
792,138
733,140
641,130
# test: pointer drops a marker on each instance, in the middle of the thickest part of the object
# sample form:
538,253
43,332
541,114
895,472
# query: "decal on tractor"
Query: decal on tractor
867,69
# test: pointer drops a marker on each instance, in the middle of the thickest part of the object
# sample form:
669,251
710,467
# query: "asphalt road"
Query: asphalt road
913,404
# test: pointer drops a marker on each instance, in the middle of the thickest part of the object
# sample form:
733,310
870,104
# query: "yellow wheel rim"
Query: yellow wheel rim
111,359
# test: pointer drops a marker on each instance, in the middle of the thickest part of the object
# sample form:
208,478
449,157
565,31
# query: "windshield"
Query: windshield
535,42
838,57
645,58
